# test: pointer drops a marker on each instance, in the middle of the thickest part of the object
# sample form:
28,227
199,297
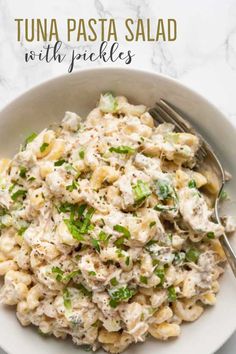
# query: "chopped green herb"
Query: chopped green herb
59,162
160,272
23,171
20,193
121,294
192,184
66,299
86,222
11,187
179,258
211,235
113,303
43,147
171,294
114,282
59,273
122,230
102,236
22,230
83,290
127,261
30,138
95,244
79,222
192,255
164,189
119,253
123,149
143,279
108,103
120,241
75,232
66,207
141,191
92,273
31,179
71,275
81,154
152,224
72,186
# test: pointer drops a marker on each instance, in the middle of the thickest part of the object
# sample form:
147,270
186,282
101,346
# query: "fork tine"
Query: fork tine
156,116
163,112
202,153
159,112
175,116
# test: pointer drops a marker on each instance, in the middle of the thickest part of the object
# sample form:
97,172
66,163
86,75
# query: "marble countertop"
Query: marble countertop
203,56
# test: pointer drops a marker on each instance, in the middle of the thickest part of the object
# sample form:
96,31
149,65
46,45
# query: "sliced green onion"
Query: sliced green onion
59,162
141,191
152,223
192,255
72,186
192,184
21,193
66,299
127,261
23,171
43,147
95,244
30,138
164,189
120,241
102,236
179,258
81,154
71,275
171,294
211,235
121,294
123,149
31,179
22,230
59,273
108,103
122,230
160,272
66,207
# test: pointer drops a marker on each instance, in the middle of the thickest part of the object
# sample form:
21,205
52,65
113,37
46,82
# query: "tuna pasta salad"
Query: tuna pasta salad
107,232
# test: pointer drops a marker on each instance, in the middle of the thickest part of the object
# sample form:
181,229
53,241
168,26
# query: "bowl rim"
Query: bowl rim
98,68
108,69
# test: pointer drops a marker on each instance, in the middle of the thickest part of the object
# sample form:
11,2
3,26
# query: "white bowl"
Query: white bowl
79,92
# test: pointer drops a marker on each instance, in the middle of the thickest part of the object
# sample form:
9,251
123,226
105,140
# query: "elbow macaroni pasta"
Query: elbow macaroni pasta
107,235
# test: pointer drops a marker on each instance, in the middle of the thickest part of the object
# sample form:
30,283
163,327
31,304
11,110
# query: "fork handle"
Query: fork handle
229,252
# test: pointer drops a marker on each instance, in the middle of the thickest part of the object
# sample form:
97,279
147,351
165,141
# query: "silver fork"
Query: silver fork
163,112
